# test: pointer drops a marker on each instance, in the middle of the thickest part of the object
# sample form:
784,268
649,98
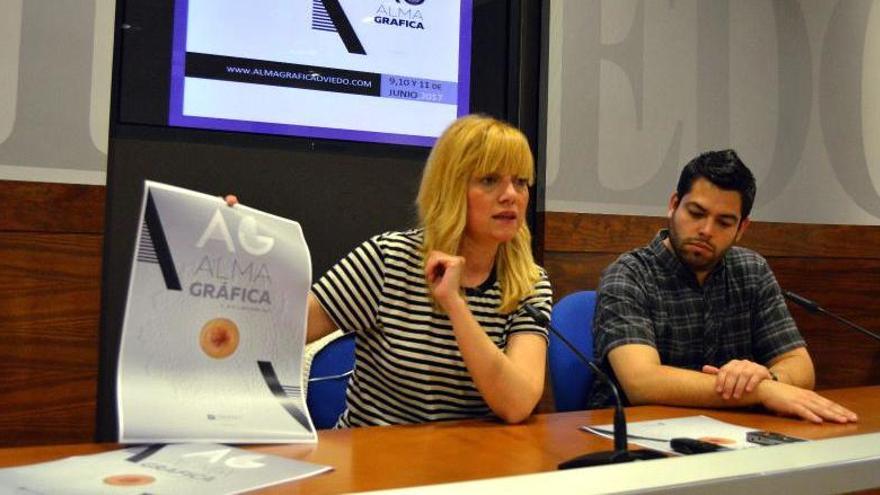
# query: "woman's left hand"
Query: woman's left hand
443,272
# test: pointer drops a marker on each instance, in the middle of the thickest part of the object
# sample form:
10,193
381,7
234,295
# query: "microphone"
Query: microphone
620,453
812,307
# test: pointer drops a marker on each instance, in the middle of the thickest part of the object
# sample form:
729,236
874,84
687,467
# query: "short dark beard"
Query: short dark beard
676,244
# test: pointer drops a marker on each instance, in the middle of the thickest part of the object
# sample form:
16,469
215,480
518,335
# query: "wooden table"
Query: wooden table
399,456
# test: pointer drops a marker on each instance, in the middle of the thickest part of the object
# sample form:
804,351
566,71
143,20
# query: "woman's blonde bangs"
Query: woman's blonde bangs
505,152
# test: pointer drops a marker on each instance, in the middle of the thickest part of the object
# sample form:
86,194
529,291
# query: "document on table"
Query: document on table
655,435
158,469
214,328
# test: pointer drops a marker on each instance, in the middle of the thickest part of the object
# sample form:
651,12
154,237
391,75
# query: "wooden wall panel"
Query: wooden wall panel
595,233
850,288
571,272
837,266
42,207
50,274
588,233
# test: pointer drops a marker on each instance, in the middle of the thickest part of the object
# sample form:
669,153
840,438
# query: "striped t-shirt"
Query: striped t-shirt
408,368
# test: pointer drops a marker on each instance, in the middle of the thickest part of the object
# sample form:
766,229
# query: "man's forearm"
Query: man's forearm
680,387
795,368
793,374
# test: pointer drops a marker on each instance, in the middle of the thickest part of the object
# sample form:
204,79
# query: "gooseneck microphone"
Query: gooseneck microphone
620,453
812,307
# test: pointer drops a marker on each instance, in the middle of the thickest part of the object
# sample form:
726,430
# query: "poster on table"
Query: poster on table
193,469
214,328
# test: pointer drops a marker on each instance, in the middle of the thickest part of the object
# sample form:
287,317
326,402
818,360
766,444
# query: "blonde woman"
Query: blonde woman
437,311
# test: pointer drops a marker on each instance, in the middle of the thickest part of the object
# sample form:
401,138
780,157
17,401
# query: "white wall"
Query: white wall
55,65
635,89
638,88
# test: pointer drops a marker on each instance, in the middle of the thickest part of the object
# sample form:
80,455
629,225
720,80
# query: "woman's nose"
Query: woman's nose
508,191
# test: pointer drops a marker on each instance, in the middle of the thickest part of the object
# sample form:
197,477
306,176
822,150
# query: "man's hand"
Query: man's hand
231,199
789,400
736,377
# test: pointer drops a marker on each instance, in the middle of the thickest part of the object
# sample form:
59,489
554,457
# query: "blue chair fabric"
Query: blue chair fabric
328,381
570,378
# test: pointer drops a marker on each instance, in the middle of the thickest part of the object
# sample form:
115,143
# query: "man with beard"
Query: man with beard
692,320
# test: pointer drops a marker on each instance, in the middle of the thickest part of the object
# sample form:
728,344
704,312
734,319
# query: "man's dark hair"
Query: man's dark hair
726,171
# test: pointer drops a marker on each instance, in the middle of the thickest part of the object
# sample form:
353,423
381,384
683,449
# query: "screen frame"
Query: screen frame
177,118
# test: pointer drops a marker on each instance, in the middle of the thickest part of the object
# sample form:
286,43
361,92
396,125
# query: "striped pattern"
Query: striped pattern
146,252
408,367
292,391
288,396
320,18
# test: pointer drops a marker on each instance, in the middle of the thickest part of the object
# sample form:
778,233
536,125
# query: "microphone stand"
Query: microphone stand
812,307
620,453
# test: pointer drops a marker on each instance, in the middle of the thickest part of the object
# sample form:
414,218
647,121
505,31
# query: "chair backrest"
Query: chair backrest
571,379
328,380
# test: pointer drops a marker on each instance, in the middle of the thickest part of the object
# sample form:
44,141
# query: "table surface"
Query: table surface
400,456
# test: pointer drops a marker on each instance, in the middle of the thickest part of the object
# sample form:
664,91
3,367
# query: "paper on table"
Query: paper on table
655,435
158,469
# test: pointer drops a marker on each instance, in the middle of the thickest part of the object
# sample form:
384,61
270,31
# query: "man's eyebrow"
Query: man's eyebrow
725,216
694,204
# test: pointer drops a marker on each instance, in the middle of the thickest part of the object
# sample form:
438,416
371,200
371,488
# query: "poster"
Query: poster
214,328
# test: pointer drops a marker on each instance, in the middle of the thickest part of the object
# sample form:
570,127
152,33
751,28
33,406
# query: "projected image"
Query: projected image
391,71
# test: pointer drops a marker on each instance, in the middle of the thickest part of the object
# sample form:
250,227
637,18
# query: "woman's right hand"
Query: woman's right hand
231,199
443,272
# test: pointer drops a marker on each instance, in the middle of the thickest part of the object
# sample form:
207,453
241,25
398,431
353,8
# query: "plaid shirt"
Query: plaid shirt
648,296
